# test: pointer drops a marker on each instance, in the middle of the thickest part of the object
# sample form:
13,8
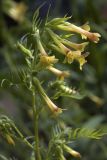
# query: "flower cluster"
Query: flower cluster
40,48
72,51
6,129
50,41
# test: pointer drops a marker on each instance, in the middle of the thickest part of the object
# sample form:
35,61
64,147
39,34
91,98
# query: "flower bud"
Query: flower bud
10,139
24,50
57,21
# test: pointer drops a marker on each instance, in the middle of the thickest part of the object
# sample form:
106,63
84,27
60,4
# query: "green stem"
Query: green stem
22,137
36,116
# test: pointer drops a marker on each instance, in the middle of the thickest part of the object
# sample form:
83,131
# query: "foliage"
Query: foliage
43,38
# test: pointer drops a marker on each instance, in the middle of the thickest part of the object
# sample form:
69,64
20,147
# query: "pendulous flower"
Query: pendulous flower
76,55
56,110
53,108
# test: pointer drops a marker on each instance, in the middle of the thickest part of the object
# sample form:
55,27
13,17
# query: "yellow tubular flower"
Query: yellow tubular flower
84,33
46,61
72,152
75,46
17,11
63,49
60,74
76,55
54,109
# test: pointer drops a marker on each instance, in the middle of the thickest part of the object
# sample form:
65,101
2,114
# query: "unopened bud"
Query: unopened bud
10,140
24,50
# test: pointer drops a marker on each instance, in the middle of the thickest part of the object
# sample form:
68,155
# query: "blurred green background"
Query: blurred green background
91,112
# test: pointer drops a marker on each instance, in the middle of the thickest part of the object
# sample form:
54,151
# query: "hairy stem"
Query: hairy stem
36,116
